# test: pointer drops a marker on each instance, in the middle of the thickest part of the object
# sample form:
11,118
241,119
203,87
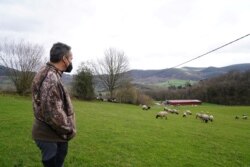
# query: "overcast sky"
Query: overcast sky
154,34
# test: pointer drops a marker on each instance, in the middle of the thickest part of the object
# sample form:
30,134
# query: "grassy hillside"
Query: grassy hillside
111,134
175,82
164,84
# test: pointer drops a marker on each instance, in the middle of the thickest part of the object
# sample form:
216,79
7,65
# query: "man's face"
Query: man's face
67,59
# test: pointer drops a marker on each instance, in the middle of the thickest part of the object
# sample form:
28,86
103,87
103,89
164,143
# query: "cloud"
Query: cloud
153,34
16,18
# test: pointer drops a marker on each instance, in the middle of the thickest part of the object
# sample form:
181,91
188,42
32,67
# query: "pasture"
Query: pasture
121,135
175,82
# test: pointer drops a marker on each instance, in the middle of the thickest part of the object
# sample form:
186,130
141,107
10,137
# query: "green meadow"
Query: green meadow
121,135
174,82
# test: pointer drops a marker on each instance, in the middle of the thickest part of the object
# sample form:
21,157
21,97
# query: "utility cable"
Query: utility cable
229,43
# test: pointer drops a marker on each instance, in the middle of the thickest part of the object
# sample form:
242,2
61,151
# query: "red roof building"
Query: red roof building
184,102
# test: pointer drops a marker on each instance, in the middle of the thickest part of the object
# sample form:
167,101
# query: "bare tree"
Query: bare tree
21,59
111,70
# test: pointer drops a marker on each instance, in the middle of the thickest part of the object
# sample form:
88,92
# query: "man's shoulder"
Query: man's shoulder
46,75
52,74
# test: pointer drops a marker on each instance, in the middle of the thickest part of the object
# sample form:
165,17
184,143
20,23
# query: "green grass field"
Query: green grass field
120,135
175,82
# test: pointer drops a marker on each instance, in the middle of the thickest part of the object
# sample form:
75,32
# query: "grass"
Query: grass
111,134
175,82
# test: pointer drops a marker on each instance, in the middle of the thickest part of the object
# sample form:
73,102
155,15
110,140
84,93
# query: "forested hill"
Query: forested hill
185,73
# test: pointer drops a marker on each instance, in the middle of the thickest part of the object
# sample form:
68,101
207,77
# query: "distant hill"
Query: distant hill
3,71
151,77
185,73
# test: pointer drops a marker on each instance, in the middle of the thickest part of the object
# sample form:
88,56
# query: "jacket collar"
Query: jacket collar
50,65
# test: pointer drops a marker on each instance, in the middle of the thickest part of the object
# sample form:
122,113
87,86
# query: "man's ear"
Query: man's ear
64,59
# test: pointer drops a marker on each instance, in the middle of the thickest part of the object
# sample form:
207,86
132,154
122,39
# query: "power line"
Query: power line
229,43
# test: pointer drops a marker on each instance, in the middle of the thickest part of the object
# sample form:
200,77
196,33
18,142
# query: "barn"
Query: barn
183,102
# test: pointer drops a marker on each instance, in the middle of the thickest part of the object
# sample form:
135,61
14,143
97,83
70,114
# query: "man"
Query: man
54,123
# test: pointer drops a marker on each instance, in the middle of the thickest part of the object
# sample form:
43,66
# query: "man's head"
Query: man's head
61,56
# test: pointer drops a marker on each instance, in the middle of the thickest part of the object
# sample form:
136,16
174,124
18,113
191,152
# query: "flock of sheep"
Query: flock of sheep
205,117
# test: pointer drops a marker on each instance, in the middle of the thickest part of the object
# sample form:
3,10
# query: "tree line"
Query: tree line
23,59
110,73
232,88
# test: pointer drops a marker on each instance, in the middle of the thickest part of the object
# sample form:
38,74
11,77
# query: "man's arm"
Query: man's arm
52,107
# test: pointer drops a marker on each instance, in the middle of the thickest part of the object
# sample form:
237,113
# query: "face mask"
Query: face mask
69,68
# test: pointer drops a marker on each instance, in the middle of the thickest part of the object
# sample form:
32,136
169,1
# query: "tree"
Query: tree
111,70
127,93
22,59
83,83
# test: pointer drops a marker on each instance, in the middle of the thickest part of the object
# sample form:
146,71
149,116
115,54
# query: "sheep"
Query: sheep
166,109
198,115
211,118
244,117
184,114
145,107
175,111
188,112
172,111
162,114
112,100
205,118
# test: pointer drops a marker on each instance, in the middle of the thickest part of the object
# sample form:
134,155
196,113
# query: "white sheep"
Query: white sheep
244,117
173,111
145,107
162,114
188,112
167,109
198,115
184,114
211,118
205,118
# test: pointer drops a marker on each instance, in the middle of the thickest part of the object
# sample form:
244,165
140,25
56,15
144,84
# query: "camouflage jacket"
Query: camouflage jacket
53,111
